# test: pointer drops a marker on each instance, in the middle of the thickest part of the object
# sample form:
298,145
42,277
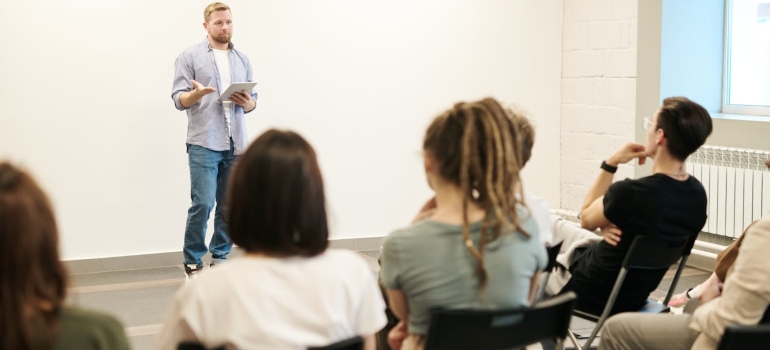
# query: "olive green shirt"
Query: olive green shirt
89,330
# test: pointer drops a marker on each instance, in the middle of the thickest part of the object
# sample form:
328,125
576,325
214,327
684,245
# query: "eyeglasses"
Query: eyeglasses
647,122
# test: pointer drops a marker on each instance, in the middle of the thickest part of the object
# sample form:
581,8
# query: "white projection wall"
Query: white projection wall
86,101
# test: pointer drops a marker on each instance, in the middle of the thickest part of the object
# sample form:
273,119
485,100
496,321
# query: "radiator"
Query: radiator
737,184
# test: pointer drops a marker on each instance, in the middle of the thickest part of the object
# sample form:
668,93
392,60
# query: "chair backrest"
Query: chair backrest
553,252
191,345
355,343
745,337
766,317
655,253
500,329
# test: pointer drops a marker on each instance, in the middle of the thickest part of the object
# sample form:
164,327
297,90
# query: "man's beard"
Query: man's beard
223,39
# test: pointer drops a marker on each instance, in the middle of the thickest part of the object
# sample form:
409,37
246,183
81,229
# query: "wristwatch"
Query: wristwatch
608,168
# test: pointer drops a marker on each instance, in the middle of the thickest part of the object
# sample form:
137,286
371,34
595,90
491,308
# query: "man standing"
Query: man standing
216,131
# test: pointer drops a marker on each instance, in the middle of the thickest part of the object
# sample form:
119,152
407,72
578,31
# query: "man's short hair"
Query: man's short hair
686,125
213,7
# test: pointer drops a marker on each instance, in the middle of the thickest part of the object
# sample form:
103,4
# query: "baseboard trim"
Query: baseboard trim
149,261
702,259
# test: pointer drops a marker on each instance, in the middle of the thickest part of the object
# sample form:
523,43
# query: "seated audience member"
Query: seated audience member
537,205
480,247
33,280
669,203
742,300
289,291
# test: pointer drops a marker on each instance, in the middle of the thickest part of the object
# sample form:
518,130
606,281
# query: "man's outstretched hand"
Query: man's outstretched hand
200,89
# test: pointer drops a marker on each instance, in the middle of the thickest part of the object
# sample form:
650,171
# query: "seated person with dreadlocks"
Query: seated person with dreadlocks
480,248
668,203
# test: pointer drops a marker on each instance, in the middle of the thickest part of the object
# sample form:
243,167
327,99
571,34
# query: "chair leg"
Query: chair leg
541,288
560,344
574,340
587,345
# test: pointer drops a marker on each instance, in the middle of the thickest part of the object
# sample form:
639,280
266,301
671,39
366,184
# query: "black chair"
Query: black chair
191,345
356,343
553,252
501,329
745,337
766,317
645,253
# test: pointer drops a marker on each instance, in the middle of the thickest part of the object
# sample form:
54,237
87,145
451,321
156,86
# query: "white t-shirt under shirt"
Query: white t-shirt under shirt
277,303
222,59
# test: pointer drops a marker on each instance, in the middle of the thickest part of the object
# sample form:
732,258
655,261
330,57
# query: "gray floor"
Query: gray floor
140,298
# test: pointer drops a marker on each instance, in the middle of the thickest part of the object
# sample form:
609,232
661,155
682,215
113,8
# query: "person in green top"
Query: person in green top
33,282
480,247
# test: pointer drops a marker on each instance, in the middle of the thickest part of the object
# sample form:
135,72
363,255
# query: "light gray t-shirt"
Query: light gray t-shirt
429,262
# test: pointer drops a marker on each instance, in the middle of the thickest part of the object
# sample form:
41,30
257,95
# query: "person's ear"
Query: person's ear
660,137
428,162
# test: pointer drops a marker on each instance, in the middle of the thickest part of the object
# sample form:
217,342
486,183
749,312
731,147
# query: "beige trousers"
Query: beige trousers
649,331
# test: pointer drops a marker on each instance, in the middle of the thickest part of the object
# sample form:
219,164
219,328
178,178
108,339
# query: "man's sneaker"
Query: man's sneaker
191,271
215,261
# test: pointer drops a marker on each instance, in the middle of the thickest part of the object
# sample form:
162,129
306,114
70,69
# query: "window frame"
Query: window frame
758,110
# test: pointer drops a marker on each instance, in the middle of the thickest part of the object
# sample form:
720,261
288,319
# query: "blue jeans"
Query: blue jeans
209,171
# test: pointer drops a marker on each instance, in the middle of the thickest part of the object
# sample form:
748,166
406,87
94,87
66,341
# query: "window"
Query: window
747,57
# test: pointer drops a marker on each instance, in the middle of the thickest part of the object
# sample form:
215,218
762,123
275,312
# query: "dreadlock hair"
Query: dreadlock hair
526,132
477,146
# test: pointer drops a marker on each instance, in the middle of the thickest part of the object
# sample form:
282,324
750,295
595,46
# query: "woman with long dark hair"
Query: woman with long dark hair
33,281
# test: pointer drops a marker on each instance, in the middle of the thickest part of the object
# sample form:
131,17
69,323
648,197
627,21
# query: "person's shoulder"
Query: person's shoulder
342,255
416,229
240,54
634,183
763,225
646,185
194,49
235,50
345,257
527,220
85,319
404,238
693,182
355,265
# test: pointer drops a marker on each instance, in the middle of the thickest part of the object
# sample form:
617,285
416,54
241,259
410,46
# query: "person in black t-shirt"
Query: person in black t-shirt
669,202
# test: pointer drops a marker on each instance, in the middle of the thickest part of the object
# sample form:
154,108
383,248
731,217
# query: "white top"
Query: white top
277,303
542,215
222,59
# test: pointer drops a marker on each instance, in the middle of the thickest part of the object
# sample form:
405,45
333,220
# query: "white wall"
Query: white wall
598,91
86,101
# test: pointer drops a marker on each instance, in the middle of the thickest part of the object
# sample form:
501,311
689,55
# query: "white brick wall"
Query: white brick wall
598,90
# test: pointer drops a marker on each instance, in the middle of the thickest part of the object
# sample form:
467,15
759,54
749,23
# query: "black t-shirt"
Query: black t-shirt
656,205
